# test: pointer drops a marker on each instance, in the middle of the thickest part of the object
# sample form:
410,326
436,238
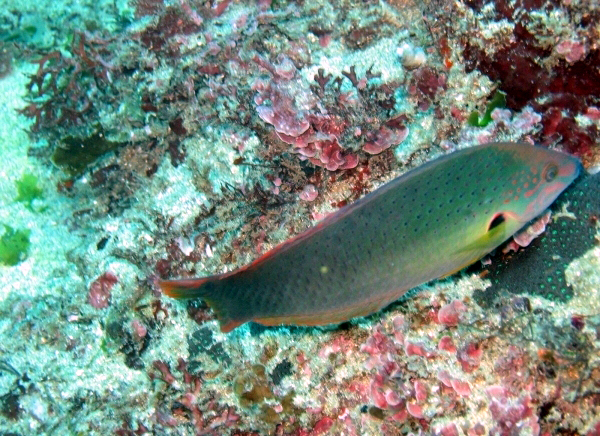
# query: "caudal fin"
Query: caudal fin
219,298
186,288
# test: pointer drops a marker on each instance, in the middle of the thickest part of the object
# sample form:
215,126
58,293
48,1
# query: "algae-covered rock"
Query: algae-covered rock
76,153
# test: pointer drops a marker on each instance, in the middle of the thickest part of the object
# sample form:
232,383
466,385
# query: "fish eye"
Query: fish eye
550,172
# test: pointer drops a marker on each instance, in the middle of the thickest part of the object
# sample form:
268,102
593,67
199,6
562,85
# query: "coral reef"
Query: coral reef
181,139
545,58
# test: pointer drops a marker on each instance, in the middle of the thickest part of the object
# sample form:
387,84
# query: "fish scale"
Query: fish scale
428,223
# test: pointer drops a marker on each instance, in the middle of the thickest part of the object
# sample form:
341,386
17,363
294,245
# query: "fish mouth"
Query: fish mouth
572,170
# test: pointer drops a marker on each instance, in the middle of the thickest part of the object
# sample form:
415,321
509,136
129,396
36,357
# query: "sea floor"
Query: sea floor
146,140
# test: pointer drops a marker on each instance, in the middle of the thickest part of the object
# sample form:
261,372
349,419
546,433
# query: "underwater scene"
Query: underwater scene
277,217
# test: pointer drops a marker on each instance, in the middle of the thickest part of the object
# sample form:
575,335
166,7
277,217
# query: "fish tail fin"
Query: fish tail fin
212,289
187,288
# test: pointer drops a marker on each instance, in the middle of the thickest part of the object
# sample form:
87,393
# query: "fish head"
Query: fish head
520,184
536,180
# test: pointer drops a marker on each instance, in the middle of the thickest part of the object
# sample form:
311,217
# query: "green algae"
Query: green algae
28,190
497,101
14,245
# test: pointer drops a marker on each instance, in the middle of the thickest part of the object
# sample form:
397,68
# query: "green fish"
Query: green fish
428,223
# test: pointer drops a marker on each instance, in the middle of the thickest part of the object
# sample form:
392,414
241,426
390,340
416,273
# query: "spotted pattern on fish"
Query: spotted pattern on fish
428,223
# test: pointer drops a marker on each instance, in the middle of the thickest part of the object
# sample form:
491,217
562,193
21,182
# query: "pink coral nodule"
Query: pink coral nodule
99,294
449,314
571,50
309,193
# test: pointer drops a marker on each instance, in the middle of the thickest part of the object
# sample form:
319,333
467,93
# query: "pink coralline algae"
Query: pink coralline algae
381,348
283,118
415,410
313,135
322,426
100,290
317,127
447,344
328,154
385,139
448,430
405,392
524,237
309,193
461,387
469,357
420,391
512,414
389,389
184,402
325,152
572,51
416,349
525,120
139,329
444,377
450,313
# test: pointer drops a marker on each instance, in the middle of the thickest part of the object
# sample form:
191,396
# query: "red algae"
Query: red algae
450,313
569,86
447,344
100,290
415,410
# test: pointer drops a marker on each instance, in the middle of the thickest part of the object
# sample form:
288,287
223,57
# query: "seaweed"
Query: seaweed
28,190
497,101
14,245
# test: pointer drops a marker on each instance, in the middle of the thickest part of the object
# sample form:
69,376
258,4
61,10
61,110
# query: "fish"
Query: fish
428,223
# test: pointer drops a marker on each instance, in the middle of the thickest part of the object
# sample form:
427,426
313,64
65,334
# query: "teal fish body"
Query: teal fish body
428,223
